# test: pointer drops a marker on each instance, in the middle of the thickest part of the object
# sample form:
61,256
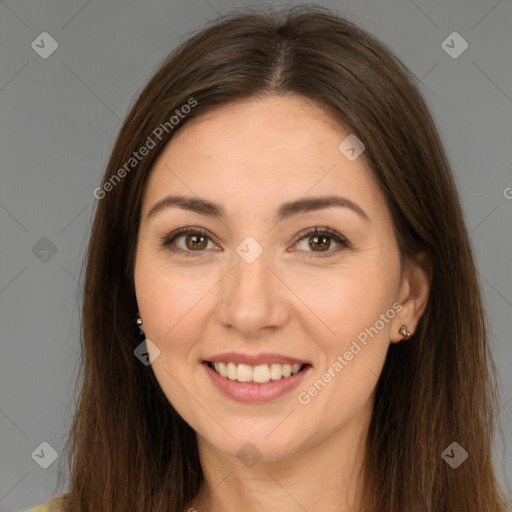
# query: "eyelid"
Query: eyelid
166,239
325,230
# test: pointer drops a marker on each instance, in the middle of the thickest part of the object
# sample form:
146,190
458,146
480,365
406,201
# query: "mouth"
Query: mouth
259,374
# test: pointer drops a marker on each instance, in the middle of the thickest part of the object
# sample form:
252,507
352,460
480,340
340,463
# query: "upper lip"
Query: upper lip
255,360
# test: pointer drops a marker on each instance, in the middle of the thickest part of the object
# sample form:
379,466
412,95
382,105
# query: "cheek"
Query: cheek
345,302
355,309
172,304
169,297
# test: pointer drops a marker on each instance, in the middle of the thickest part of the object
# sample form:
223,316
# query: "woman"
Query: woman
281,306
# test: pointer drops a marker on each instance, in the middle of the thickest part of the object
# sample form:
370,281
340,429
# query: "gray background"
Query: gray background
58,121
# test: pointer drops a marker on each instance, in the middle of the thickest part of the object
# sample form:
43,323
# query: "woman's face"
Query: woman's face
252,287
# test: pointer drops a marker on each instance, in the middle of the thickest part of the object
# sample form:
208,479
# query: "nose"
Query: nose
253,300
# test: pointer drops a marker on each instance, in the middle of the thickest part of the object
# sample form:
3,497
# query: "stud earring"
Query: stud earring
138,323
404,332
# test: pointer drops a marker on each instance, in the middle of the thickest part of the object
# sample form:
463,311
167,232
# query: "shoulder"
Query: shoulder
50,506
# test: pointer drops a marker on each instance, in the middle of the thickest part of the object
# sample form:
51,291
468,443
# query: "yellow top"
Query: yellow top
40,508
46,506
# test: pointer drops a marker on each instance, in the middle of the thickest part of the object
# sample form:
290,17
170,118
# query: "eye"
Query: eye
194,240
320,240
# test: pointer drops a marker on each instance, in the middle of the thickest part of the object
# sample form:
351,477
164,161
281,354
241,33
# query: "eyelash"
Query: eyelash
309,232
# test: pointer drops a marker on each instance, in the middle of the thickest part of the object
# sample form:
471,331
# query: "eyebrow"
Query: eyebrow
285,211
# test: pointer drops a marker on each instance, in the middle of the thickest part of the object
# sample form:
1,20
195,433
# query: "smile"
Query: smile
259,374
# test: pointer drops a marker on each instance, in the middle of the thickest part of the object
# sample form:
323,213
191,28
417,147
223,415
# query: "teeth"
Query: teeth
231,371
244,373
261,374
276,371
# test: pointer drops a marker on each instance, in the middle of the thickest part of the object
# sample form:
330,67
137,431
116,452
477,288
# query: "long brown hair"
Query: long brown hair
128,448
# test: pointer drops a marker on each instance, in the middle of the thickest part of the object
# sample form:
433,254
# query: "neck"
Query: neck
326,475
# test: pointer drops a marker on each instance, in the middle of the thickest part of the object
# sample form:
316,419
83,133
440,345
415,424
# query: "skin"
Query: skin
251,157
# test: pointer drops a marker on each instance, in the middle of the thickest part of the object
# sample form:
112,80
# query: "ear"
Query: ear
413,295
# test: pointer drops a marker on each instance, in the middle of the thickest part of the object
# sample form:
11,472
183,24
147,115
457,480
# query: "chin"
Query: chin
267,446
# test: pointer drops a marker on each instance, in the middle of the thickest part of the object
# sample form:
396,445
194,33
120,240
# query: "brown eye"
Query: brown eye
195,240
320,241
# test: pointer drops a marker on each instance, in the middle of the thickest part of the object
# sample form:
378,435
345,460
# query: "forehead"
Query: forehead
277,126
261,152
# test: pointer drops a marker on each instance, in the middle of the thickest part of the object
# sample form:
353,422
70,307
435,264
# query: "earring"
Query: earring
138,323
404,332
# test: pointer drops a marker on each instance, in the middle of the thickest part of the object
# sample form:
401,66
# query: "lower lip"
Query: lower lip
252,392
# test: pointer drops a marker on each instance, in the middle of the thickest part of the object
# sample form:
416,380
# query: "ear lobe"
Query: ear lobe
414,292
